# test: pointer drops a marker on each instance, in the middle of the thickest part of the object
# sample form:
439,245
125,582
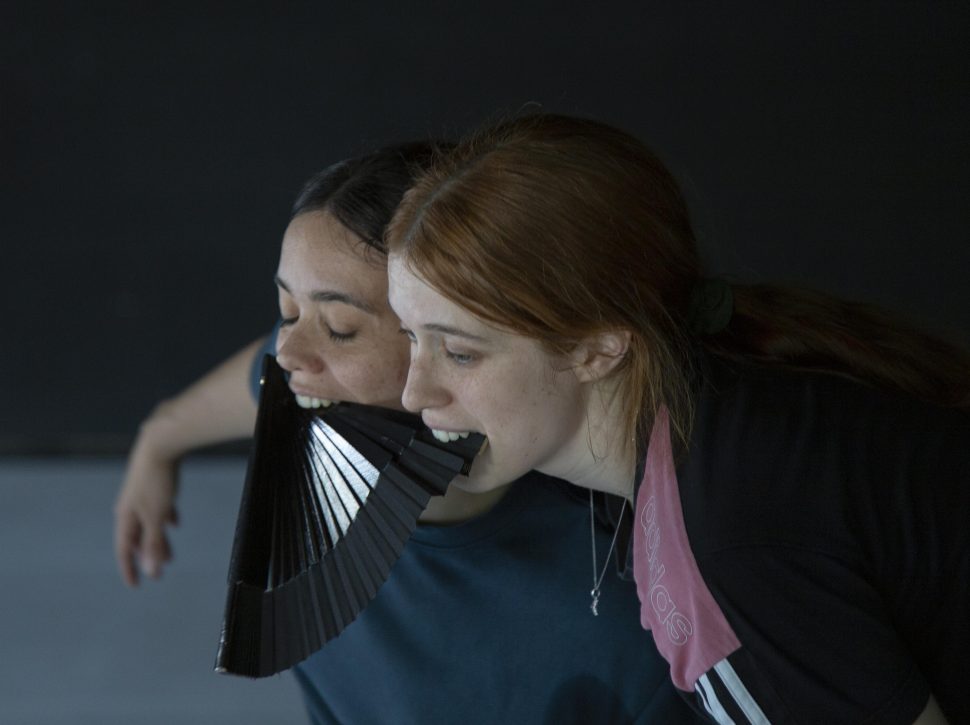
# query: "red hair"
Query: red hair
560,228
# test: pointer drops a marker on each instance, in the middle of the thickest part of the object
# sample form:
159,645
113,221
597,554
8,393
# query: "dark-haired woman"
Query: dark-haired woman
478,623
798,467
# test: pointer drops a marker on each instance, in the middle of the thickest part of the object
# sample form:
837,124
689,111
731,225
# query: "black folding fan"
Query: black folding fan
331,497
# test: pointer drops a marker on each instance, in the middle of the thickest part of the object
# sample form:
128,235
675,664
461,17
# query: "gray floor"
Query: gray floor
78,647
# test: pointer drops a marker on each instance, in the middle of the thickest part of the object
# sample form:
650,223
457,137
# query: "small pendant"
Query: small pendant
596,600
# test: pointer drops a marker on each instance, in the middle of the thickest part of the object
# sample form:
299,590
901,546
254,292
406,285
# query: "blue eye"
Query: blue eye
459,358
407,333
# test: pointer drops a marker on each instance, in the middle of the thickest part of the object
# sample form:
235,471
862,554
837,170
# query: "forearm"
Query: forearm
216,408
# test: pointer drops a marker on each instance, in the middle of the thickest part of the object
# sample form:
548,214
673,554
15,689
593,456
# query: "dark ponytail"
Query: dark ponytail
810,330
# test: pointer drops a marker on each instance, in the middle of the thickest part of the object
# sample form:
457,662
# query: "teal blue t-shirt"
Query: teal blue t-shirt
489,621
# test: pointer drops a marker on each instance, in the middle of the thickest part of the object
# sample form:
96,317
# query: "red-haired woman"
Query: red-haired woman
797,465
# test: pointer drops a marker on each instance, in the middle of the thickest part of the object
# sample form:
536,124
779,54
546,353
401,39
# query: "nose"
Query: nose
296,350
421,391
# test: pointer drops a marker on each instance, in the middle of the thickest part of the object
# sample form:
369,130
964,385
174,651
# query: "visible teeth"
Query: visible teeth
446,436
306,401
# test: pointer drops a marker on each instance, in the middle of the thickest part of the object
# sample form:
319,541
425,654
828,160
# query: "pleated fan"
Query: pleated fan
331,497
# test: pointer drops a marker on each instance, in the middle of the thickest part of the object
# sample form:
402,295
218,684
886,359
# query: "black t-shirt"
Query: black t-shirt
808,558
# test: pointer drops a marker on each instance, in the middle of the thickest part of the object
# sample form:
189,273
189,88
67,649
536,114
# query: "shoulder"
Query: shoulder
826,517
819,462
794,435
763,396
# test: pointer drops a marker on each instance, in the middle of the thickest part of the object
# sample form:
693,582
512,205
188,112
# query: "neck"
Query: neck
457,506
602,455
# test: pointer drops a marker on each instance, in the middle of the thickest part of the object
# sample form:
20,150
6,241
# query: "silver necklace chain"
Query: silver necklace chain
598,575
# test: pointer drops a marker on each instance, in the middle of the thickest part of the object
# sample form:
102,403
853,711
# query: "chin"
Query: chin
484,476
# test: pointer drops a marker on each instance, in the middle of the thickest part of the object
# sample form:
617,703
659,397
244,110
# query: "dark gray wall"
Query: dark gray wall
149,158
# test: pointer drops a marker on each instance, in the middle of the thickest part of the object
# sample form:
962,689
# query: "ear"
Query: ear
599,355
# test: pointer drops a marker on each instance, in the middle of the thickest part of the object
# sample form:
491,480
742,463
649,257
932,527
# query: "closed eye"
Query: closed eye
341,336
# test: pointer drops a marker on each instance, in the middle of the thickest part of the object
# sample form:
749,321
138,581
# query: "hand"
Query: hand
214,409
144,508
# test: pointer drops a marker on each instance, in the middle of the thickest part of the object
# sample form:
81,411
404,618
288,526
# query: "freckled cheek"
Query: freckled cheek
515,421
373,383
403,363
395,359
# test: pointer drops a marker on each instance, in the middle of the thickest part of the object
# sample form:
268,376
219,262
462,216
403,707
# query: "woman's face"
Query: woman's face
466,376
339,339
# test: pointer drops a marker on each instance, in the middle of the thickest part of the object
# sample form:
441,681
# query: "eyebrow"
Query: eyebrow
331,296
446,330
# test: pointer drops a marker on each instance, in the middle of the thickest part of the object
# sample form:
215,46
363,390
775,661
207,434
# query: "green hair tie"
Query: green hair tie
711,306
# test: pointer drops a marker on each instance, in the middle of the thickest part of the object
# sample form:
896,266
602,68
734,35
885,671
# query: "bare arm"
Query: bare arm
216,408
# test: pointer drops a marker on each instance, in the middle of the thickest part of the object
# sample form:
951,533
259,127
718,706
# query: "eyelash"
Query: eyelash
334,335
458,358
342,336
